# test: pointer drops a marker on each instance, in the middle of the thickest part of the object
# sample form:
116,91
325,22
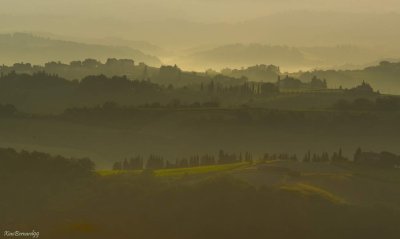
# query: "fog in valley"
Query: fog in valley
200,119
296,35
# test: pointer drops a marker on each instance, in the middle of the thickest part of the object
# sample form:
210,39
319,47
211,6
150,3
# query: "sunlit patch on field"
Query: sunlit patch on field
177,172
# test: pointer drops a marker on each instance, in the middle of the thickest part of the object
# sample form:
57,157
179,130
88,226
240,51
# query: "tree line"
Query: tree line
384,159
13,162
159,162
79,69
51,93
385,76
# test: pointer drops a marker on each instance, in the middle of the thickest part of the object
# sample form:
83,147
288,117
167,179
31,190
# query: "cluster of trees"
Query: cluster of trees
165,75
13,163
309,157
247,87
383,159
291,83
208,159
116,85
267,73
387,103
244,89
158,162
155,162
192,161
176,103
7,110
169,75
43,92
114,109
226,158
383,76
134,163
324,157
281,156
80,69
37,80
119,66
50,93
363,89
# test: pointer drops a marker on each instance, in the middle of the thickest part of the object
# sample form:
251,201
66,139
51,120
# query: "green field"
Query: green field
339,183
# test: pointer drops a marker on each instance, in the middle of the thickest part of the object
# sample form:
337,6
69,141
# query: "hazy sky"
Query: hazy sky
198,10
190,23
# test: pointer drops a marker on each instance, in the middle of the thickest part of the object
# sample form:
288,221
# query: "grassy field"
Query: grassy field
338,183
178,172
118,172
307,190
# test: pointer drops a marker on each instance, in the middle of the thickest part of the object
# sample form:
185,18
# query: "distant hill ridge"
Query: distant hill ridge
292,58
24,47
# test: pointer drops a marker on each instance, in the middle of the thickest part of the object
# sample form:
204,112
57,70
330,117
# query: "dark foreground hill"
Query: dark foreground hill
147,205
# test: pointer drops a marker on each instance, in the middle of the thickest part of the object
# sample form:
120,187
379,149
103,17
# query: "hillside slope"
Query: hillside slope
21,47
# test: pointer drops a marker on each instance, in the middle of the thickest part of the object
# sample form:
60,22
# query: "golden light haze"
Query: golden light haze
183,28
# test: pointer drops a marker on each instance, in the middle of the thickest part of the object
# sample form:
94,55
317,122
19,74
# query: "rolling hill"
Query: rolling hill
289,58
21,47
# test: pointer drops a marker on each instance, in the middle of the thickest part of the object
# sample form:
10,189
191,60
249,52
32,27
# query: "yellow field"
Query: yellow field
176,172
119,172
307,189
